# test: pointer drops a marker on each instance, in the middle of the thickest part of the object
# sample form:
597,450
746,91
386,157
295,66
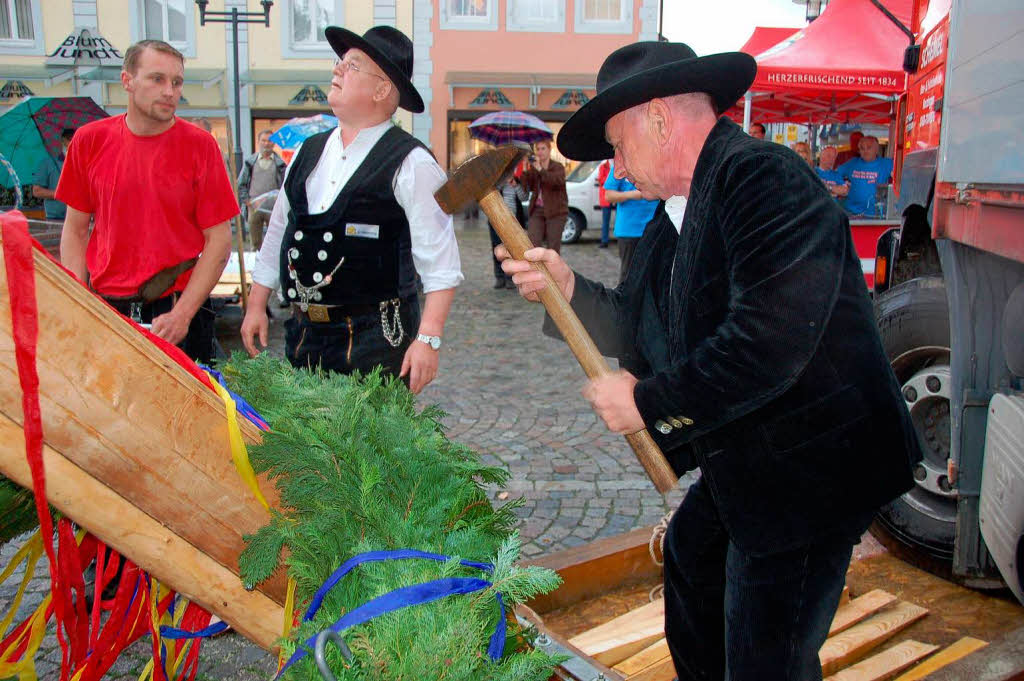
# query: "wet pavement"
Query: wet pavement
511,394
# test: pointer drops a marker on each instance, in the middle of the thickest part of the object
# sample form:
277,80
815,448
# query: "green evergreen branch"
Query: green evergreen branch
357,470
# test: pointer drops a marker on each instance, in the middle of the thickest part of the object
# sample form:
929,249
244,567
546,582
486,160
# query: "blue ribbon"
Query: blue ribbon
243,407
205,632
402,597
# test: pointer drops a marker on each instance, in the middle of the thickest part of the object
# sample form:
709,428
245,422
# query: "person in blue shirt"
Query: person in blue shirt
832,178
632,215
45,179
864,174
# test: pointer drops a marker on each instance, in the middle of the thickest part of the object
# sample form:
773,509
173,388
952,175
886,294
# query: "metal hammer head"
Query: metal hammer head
477,176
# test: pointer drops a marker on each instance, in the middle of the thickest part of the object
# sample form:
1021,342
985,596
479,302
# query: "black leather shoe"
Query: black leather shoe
604,245
499,282
510,284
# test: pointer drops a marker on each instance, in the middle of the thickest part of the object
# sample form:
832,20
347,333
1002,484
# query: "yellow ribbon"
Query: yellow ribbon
29,553
239,454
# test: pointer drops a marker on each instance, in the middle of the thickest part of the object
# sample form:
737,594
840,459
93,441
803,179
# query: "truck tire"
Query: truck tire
913,320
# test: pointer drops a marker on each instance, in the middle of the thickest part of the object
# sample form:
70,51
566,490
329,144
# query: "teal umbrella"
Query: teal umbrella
31,131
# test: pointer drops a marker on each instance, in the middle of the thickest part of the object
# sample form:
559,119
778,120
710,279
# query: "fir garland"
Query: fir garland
358,470
17,511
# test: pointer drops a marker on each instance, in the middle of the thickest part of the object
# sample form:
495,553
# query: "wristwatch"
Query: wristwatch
433,341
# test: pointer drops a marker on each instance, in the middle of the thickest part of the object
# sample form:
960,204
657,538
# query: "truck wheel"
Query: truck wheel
913,319
574,226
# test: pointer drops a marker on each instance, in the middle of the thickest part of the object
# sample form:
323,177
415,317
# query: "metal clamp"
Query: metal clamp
321,658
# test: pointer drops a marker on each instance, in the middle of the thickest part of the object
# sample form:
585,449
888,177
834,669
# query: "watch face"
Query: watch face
435,343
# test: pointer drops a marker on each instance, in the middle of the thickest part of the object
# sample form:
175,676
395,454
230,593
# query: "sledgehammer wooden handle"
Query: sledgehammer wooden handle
580,342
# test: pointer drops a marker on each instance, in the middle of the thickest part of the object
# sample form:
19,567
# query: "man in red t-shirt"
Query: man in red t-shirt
161,198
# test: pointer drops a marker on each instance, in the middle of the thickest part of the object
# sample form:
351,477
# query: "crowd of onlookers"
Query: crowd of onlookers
851,176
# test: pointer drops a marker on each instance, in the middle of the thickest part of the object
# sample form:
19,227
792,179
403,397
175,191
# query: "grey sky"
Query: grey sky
710,26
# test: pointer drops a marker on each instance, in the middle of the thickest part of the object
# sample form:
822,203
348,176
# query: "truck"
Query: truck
949,291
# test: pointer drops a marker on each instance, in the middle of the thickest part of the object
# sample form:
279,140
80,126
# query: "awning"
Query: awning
50,75
851,47
286,77
764,38
534,82
112,74
846,66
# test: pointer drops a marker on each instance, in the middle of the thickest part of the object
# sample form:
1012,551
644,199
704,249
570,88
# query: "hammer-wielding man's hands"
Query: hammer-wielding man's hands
529,279
611,397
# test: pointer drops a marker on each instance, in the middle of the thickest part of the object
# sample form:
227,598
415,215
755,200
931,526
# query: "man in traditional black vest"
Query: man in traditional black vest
749,349
355,224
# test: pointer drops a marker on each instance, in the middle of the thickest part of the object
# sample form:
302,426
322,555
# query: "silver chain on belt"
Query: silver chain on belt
393,331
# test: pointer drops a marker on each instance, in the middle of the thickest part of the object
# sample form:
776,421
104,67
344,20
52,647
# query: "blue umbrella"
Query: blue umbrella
294,132
505,127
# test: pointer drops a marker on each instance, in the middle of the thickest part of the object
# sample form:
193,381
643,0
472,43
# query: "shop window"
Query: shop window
604,16
303,25
536,15
20,27
172,21
471,15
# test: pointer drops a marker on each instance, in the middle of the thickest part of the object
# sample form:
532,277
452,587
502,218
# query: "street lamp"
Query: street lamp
234,17
814,8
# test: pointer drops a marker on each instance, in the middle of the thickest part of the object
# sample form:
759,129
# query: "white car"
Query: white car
584,210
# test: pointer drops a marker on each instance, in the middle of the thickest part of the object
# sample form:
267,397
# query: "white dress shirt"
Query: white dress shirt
675,207
435,252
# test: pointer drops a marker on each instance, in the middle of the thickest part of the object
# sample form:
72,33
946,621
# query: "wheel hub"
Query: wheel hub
927,396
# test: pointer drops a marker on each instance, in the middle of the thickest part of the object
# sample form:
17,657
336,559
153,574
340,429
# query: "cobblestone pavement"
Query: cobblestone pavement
511,394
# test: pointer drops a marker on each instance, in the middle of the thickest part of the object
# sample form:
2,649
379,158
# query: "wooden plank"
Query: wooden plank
854,643
624,636
597,567
662,670
119,408
165,555
652,654
859,609
887,663
952,653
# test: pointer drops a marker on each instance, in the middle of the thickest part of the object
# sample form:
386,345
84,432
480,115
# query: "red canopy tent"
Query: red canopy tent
845,66
765,37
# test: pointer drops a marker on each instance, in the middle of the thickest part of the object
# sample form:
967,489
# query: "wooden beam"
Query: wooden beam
597,567
887,663
165,555
119,408
854,643
624,636
859,609
954,652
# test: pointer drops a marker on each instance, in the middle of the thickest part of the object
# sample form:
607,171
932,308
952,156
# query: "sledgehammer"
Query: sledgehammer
477,179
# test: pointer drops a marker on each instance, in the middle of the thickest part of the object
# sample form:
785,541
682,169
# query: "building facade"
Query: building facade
472,56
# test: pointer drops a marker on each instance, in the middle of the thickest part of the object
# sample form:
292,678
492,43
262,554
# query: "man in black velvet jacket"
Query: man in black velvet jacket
749,349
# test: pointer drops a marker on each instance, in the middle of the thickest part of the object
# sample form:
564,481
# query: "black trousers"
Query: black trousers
735,616
198,343
351,343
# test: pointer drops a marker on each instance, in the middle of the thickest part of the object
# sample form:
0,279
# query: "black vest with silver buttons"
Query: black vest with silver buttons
359,250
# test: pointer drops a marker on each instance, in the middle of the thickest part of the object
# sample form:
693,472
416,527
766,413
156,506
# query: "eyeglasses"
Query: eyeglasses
344,66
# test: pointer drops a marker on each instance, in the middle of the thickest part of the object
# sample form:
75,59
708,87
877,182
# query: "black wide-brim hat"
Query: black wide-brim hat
643,71
391,50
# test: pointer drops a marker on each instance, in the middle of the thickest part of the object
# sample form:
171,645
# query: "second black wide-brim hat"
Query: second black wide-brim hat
643,71
391,50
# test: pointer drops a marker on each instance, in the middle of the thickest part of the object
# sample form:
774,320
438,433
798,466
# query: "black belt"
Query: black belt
333,313
157,307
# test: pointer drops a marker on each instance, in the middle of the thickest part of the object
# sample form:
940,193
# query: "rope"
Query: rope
658,538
